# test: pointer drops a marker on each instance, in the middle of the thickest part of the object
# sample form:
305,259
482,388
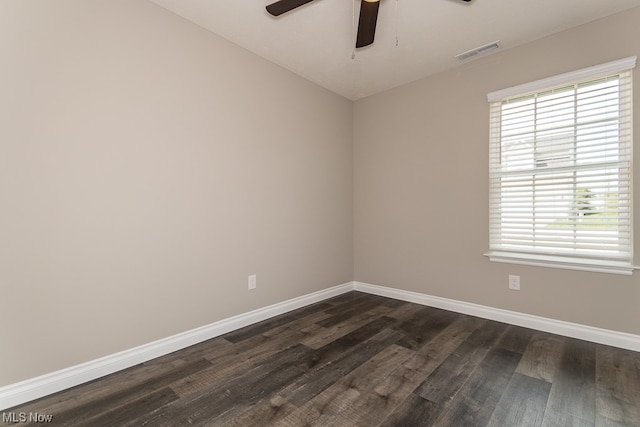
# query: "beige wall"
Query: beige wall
421,185
146,168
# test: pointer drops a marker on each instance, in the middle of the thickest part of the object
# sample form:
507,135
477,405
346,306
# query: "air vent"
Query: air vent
479,50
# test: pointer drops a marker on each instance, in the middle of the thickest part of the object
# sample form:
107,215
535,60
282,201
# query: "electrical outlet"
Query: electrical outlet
514,282
252,281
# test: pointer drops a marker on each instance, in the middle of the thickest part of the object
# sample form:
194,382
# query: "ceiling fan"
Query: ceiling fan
366,23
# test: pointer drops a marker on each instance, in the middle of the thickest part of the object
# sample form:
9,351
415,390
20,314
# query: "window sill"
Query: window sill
597,266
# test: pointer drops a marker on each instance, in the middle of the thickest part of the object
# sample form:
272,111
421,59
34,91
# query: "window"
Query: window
560,170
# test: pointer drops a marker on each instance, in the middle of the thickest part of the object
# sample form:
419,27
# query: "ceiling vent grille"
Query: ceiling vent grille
479,50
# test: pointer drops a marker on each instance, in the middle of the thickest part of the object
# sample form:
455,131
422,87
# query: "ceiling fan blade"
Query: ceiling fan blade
367,22
283,6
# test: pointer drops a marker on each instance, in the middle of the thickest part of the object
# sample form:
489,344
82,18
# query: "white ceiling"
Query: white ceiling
316,41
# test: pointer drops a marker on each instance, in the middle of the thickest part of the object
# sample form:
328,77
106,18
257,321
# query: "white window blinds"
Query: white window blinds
560,170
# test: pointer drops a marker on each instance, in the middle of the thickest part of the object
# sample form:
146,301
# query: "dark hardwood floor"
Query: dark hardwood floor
364,360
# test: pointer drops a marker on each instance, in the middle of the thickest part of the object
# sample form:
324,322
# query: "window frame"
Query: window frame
550,259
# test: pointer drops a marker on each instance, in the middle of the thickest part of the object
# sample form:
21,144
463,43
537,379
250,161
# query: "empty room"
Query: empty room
329,212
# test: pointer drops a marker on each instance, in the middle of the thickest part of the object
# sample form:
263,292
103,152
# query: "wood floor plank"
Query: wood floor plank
397,386
425,325
415,411
438,389
235,392
475,402
197,351
345,299
541,358
516,339
522,404
405,311
334,403
102,388
325,374
445,381
326,334
342,313
303,326
573,388
267,412
260,327
120,396
207,378
122,414
246,354
431,355
555,418
349,342
617,387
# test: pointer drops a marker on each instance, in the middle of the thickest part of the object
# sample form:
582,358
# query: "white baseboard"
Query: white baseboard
31,389
568,329
35,388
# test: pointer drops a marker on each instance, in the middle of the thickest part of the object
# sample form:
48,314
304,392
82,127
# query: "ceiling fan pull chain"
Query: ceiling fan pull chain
353,28
396,22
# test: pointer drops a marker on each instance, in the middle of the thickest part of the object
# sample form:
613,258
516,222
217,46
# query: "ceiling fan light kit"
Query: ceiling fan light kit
366,24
